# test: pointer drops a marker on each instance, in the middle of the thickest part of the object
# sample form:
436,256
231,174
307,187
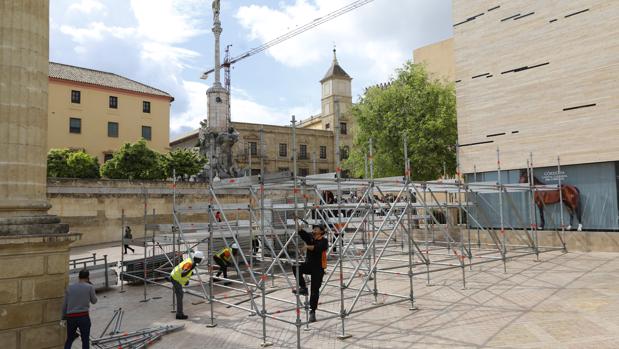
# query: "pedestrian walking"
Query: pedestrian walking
126,238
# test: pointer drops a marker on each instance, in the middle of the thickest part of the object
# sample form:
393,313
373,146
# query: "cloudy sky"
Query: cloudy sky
168,43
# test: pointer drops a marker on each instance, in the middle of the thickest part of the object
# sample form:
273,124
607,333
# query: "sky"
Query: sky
167,44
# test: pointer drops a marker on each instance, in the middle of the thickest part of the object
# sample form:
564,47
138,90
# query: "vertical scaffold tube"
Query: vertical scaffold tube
144,266
264,277
562,237
338,229
211,298
122,251
408,231
373,225
297,270
500,188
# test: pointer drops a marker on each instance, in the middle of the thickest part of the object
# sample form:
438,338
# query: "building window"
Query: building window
323,170
76,97
75,125
145,107
323,152
113,102
147,133
303,172
283,169
253,148
255,171
107,157
344,152
112,129
303,152
283,149
343,129
327,126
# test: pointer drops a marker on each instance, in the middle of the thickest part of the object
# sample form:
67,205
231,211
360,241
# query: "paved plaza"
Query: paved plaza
566,301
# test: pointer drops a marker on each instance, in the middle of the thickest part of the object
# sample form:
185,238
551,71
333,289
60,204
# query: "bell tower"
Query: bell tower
336,87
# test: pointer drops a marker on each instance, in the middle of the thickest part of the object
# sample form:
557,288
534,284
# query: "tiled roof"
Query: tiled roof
101,78
335,70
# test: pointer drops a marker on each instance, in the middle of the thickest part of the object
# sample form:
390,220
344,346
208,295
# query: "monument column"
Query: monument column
34,246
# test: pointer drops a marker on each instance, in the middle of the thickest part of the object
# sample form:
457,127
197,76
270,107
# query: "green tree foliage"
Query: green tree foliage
185,162
135,161
412,106
67,163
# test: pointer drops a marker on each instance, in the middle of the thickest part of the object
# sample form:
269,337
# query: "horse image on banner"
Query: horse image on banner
569,193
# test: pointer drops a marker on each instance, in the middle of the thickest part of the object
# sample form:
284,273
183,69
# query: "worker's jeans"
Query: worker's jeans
316,274
178,292
73,323
223,266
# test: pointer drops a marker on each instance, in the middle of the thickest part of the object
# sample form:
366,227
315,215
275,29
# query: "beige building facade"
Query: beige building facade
536,84
100,111
315,135
536,77
438,58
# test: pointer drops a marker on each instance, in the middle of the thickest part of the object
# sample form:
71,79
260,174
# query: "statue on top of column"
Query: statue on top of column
216,8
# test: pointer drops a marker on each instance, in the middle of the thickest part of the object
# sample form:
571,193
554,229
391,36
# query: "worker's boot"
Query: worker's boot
312,317
181,317
302,291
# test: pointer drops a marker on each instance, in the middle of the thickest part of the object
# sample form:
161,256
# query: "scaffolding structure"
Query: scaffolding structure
378,228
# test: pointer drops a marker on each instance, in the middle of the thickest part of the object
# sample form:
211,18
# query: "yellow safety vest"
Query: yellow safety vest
225,254
177,272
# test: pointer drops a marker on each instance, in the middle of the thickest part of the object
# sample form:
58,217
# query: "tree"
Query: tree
83,165
57,163
135,161
414,106
68,163
184,162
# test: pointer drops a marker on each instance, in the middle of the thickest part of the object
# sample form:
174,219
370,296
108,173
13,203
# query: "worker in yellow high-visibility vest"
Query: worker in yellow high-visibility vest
223,259
180,277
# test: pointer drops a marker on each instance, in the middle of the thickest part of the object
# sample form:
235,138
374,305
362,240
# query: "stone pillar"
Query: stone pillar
34,246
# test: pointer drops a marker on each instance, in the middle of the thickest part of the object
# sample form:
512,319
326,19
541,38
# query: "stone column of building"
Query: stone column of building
34,246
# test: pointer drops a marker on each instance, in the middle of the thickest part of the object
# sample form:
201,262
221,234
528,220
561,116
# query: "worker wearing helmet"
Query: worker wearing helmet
180,277
223,259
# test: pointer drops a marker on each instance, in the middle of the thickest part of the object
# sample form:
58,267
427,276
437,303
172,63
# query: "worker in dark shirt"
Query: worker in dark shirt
314,265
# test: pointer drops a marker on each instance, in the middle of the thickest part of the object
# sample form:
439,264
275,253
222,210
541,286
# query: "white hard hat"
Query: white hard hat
235,246
198,254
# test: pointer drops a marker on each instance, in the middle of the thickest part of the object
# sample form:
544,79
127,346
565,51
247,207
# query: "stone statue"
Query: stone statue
216,137
216,8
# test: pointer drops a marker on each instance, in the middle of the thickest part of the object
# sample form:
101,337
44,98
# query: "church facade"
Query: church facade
316,141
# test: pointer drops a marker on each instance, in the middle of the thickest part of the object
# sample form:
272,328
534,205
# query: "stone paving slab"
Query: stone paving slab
566,301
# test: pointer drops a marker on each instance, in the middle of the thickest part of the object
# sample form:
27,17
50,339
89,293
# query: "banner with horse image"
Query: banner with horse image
589,194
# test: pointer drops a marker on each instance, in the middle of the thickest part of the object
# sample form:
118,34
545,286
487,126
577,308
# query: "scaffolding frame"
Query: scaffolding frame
392,229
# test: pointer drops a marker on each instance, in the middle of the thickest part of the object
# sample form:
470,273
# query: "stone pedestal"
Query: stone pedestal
32,283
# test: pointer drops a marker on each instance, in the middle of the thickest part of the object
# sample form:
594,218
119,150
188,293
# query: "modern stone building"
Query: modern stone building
315,135
538,80
438,58
99,111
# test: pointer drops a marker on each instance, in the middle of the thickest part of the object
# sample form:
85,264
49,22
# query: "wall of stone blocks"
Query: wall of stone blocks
93,208
32,285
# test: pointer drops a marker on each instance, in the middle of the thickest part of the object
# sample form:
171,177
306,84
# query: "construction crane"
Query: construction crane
228,61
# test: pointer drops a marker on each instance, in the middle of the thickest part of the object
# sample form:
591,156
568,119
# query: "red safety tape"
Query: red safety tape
263,277
298,312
